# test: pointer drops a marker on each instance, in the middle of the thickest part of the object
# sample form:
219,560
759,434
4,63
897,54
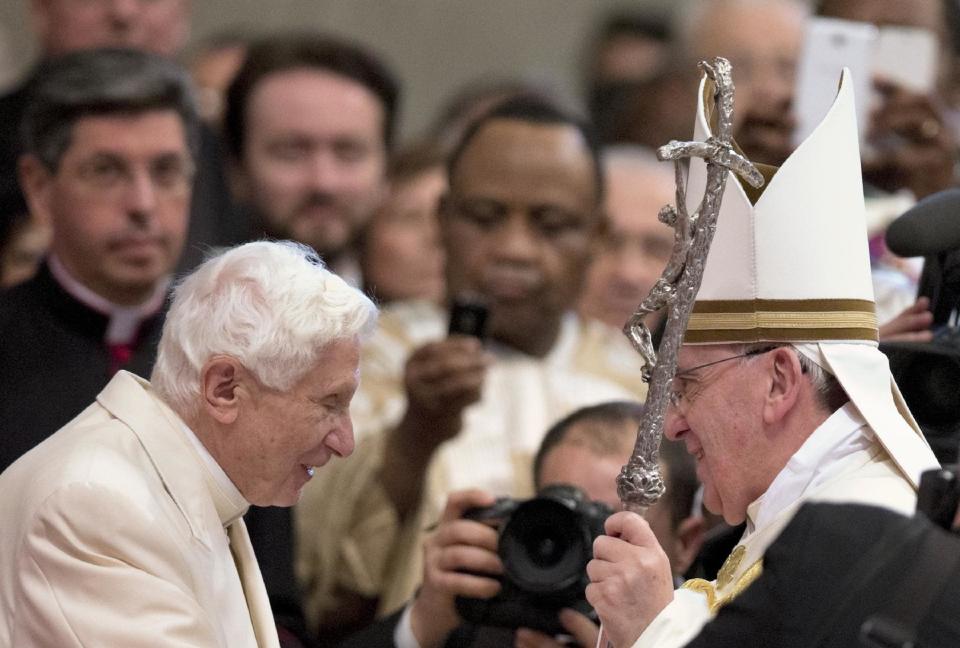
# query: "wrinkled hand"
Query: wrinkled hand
914,147
582,629
911,325
630,578
456,547
442,379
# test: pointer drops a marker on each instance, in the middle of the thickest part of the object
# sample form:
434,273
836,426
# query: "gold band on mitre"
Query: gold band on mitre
786,320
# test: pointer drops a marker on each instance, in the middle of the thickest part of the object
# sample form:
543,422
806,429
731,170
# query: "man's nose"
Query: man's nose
341,440
141,194
324,171
515,239
123,11
674,424
774,84
636,269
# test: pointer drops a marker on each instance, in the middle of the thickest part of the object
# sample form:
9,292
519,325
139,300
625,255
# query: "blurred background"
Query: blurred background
435,46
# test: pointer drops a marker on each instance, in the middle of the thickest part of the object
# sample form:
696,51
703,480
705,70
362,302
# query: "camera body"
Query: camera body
545,544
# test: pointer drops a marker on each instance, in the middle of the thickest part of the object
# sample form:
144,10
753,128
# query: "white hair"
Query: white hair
271,305
829,393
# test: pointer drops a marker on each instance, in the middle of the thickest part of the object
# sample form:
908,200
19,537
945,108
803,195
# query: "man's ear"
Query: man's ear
785,380
223,386
690,534
35,179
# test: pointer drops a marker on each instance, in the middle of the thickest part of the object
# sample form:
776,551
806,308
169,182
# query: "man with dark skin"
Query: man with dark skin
526,253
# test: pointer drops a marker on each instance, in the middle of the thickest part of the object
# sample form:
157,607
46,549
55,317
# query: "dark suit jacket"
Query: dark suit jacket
833,568
53,361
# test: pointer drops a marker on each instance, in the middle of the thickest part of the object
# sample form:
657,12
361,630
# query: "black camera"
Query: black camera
545,544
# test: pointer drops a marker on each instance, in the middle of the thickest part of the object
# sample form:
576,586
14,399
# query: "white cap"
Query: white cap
790,264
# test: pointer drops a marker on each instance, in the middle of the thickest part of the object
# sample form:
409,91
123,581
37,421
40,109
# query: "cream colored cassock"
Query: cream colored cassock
348,534
791,265
116,533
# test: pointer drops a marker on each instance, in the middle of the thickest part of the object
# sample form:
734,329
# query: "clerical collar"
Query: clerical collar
819,459
233,504
123,321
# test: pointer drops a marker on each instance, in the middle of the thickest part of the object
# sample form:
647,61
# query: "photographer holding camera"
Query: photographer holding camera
574,472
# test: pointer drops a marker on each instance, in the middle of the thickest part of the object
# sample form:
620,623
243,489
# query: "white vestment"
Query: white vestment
840,462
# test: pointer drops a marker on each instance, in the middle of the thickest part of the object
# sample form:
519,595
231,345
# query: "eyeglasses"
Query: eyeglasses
679,398
110,175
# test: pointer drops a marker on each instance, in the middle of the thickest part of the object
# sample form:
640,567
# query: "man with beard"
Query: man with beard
111,139
519,224
308,125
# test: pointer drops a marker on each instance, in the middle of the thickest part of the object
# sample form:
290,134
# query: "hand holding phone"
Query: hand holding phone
468,316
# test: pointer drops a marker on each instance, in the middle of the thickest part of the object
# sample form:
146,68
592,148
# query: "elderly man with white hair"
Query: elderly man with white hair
124,528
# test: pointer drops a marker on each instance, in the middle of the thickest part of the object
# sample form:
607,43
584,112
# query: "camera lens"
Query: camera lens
545,547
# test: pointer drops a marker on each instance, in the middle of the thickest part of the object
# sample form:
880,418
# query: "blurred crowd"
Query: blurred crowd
127,155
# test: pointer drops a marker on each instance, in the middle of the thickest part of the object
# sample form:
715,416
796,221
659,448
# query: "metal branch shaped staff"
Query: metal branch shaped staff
639,483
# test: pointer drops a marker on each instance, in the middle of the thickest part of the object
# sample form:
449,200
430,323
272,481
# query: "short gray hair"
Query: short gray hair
106,81
827,389
271,305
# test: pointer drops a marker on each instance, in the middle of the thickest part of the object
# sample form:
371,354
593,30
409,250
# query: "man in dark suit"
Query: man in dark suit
159,27
848,575
111,144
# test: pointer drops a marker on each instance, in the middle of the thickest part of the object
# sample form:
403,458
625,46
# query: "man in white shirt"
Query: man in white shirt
781,394
125,527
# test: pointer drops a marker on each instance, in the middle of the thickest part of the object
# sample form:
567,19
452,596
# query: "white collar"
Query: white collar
820,458
559,354
124,321
238,503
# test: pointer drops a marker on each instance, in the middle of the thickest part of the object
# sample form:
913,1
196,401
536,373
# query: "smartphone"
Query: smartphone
829,45
906,56
468,316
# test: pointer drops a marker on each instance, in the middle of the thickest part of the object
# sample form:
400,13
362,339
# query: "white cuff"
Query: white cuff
403,633
677,623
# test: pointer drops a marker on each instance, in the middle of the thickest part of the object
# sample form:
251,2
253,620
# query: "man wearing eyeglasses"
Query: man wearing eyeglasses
780,395
110,140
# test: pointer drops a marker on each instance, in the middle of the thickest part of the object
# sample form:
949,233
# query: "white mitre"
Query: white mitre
791,265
